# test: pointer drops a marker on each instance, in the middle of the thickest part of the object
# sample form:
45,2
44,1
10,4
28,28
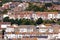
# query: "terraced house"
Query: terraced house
30,32
34,15
19,20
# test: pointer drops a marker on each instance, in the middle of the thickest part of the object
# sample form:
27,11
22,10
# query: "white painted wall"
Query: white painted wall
42,30
50,30
4,25
42,39
58,16
23,30
30,30
50,16
9,30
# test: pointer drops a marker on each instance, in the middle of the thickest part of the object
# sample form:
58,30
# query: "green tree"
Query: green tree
53,21
58,22
46,21
49,21
29,22
12,21
39,21
18,21
33,22
6,19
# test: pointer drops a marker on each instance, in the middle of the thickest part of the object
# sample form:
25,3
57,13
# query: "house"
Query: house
2,9
46,15
34,15
27,32
6,5
10,5
25,14
56,7
4,24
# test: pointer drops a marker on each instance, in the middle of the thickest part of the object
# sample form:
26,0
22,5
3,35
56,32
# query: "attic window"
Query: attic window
37,27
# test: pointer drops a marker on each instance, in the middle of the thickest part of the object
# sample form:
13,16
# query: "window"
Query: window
4,25
42,30
58,15
9,30
23,30
30,30
51,30
11,36
26,35
49,16
20,35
